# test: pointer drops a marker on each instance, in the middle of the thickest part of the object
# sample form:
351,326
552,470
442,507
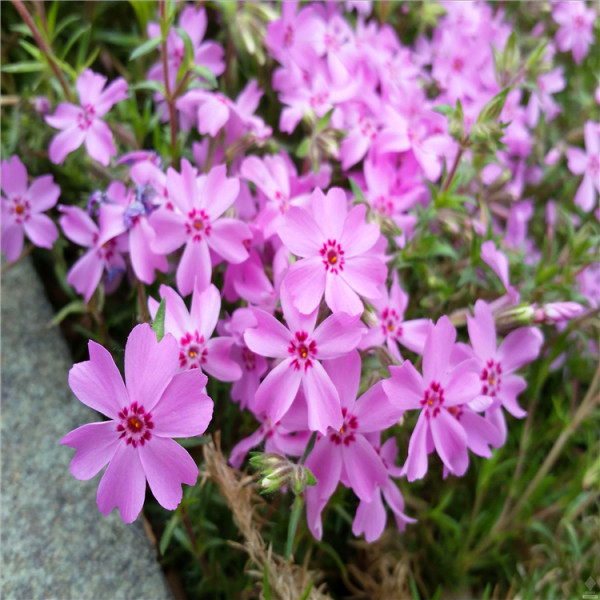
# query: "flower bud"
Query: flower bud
555,312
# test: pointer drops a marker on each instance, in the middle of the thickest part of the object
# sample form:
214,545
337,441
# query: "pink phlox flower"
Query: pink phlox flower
198,203
362,124
587,164
156,404
547,84
389,326
362,7
193,330
140,156
289,39
215,111
127,211
371,516
497,261
496,366
252,365
22,208
83,124
104,253
334,246
301,346
589,284
576,31
344,453
437,392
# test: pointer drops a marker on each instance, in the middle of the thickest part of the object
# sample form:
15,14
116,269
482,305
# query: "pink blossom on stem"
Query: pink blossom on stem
334,245
156,404
83,124
576,32
105,250
437,392
345,453
195,220
496,365
193,330
301,347
22,208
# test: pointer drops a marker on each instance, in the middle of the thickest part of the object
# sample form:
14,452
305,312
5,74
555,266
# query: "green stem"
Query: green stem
293,525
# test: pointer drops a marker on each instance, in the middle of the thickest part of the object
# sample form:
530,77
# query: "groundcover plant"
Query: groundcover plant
347,254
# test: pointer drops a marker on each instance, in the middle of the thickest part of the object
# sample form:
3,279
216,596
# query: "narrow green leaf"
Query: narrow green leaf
168,533
77,306
266,586
32,49
303,148
491,111
306,592
154,86
358,194
26,66
444,109
145,48
205,73
158,325
293,525
323,122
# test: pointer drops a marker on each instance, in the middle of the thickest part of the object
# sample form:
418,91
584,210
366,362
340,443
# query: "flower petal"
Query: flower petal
450,442
324,409
96,444
123,485
43,193
65,142
149,365
416,462
344,373
41,230
97,382
364,467
370,518
374,411
99,142
300,233
227,239
277,391
218,361
269,337
406,388
482,331
340,297
338,334
85,274
194,268
167,465
520,347
438,348
183,410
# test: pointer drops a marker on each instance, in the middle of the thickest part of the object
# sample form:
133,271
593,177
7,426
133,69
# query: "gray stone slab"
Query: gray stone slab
55,542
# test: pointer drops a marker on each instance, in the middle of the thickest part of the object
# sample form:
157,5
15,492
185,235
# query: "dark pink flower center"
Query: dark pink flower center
384,206
20,208
390,323
249,359
107,251
282,200
594,165
192,351
367,127
491,378
289,36
346,433
433,400
458,64
303,349
198,225
135,425
86,117
319,99
333,256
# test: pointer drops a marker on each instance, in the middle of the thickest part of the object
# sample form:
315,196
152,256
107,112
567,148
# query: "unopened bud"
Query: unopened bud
278,472
555,312
516,316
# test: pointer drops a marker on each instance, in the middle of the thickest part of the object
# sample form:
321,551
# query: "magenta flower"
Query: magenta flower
497,261
22,206
83,124
391,328
436,393
199,202
301,347
334,245
496,365
576,31
157,404
193,330
587,164
105,250
345,453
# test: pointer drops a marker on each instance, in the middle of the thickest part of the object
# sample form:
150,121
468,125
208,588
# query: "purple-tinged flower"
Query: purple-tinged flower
193,330
497,365
302,347
440,388
576,31
156,404
547,84
334,244
196,222
588,164
83,124
105,250
390,326
22,206
346,453
370,516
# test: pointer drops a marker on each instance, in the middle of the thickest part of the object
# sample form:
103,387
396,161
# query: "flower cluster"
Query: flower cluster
289,279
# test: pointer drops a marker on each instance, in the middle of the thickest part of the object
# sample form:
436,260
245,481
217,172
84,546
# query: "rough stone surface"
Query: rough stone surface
55,543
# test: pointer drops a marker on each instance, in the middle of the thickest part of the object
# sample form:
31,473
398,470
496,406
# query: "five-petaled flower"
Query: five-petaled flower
157,404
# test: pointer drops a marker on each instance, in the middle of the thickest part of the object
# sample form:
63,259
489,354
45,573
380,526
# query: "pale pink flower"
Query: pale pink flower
22,208
193,330
157,404
83,124
587,164
576,32
334,246
437,392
